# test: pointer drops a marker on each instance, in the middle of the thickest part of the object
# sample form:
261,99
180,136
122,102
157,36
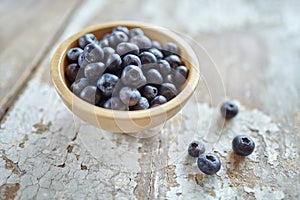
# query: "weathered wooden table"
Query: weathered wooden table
249,51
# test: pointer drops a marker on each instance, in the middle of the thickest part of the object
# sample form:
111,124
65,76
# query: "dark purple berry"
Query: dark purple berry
82,62
180,75
157,53
133,76
122,29
168,90
93,71
170,48
142,41
127,48
131,59
208,163
116,38
183,71
143,104
229,110
196,148
72,71
115,103
107,83
93,53
86,39
73,54
107,51
79,85
149,92
129,96
113,63
158,100
156,44
135,31
154,77
103,43
173,60
147,58
243,145
90,94
164,67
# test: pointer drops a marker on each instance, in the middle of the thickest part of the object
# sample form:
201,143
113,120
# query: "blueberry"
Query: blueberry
82,62
153,76
196,148
133,76
209,163
90,94
164,67
117,37
79,85
113,63
147,58
122,29
149,92
243,145
93,71
170,48
103,43
107,83
115,103
129,96
180,75
135,31
173,60
158,100
143,104
182,70
169,79
93,53
168,90
156,44
72,71
73,54
157,53
106,52
127,48
229,110
142,41
131,59
86,39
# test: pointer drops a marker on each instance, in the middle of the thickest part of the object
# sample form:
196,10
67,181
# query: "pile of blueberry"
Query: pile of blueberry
125,70
242,145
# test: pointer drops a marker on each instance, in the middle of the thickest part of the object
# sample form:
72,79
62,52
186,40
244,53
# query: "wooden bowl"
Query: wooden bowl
124,121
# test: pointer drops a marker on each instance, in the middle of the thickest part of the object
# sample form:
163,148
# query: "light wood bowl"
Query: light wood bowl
124,121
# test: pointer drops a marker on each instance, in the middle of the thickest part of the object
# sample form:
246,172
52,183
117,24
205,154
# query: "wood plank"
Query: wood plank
28,30
50,153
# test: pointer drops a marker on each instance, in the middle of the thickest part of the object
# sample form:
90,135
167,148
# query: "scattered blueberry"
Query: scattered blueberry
196,148
229,110
209,163
243,145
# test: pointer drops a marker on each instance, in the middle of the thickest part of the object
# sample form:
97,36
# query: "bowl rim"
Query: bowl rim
57,68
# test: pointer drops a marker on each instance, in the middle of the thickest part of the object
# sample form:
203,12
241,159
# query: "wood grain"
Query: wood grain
28,31
56,155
